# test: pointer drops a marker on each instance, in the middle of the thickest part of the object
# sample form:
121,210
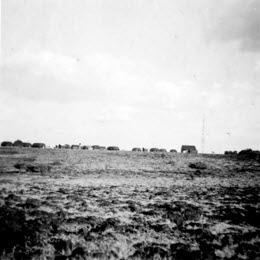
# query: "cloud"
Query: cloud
45,75
238,22
257,66
115,113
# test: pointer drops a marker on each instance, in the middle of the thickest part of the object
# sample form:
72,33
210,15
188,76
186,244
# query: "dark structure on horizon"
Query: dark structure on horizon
7,144
163,150
189,149
230,153
18,143
86,147
65,146
136,149
154,150
173,151
39,145
27,145
75,147
113,148
98,147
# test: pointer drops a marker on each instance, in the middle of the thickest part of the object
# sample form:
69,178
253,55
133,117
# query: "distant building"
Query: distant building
163,150
6,144
188,149
86,147
65,146
136,149
18,143
230,152
27,145
75,146
39,145
113,148
153,150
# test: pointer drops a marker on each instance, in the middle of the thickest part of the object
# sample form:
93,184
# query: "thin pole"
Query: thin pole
203,135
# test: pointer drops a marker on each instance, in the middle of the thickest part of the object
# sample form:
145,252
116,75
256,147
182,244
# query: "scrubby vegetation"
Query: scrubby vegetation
78,204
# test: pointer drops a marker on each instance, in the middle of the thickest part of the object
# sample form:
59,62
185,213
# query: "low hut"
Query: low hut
28,145
136,149
153,150
189,149
75,146
6,144
86,147
230,152
173,151
113,148
163,150
39,145
18,143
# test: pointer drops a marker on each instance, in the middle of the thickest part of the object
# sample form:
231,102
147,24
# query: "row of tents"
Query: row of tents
87,147
19,143
184,148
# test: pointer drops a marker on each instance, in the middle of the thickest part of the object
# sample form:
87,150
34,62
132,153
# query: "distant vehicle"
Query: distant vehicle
153,150
136,149
39,145
189,149
6,144
173,151
113,148
144,149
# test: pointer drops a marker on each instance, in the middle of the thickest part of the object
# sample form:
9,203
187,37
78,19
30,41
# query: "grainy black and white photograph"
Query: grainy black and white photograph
130,129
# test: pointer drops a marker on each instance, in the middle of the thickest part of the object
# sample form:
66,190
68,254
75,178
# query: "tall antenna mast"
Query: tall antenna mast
203,135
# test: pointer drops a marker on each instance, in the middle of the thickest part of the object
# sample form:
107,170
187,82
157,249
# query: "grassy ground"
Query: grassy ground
78,204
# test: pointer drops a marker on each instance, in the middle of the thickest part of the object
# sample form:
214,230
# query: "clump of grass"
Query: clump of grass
56,163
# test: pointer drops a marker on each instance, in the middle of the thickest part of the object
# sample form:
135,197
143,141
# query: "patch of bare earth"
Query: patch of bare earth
65,204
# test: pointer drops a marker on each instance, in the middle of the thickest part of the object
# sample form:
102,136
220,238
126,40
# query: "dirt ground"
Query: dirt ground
78,204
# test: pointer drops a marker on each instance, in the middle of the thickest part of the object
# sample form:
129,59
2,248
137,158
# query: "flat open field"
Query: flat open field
78,204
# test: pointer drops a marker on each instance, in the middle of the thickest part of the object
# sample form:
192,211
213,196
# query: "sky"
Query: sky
139,73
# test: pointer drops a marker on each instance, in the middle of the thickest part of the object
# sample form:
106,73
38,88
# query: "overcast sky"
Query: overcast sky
131,73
